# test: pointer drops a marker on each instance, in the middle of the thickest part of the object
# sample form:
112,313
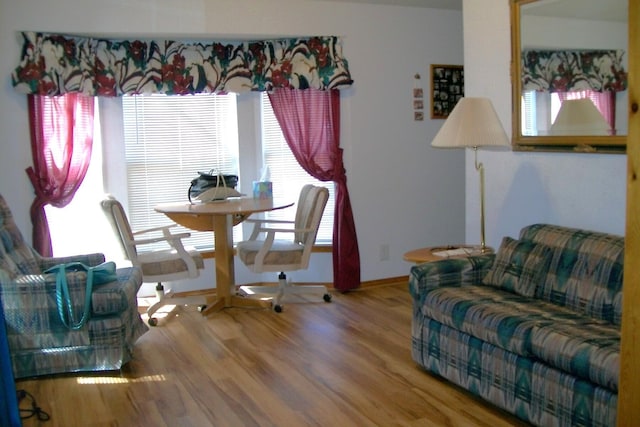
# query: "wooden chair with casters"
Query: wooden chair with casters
176,262
279,255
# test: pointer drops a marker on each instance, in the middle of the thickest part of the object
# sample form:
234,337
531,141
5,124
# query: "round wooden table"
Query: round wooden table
220,217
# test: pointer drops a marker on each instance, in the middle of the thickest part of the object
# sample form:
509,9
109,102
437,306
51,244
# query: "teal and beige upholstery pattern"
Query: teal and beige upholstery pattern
536,331
38,341
519,266
585,272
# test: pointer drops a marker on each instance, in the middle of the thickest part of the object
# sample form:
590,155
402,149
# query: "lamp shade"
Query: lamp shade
472,123
579,117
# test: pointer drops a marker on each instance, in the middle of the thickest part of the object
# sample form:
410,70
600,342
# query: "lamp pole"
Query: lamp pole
480,169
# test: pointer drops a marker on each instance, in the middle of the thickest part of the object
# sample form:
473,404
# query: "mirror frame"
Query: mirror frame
576,144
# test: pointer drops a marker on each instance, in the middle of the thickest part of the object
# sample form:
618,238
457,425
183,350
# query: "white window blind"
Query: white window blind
287,175
528,108
168,139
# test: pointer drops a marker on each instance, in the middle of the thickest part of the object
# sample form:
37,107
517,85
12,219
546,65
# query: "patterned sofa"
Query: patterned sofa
39,343
533,329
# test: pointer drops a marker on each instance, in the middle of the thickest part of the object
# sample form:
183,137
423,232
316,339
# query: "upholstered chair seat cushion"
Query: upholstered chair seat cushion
281,253
167,262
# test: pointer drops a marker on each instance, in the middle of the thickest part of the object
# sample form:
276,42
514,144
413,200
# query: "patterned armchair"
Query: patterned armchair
38,341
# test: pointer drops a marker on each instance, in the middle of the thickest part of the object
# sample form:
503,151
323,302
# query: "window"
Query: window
529,126
168,139
80,227
287,175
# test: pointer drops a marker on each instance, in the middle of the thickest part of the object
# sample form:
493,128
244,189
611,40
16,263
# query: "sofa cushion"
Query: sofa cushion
527,387
7,265
519,266
14,247
499,317
585,272
581,346
563,338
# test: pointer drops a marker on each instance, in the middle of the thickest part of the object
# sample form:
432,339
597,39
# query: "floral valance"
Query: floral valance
55,64
567,70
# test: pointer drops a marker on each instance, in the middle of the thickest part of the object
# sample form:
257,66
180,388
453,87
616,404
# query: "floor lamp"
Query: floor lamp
579,117
473,123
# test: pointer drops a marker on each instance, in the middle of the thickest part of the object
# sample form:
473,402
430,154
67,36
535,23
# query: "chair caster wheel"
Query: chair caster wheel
153,321
277,308
202,308
326,297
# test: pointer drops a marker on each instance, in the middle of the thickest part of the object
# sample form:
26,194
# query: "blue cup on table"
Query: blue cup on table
262,190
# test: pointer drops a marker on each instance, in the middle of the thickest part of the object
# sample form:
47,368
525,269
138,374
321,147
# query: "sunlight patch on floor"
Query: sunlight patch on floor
162,313
120,380
256,295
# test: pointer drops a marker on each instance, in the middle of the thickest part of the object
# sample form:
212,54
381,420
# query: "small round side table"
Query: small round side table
436,253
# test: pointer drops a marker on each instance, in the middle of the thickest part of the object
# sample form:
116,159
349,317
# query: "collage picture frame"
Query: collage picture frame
447,87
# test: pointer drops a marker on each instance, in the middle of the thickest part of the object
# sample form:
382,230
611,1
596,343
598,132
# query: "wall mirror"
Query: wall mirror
564,50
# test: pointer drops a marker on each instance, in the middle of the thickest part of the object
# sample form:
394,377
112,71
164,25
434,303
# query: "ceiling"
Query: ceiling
611,10
436,4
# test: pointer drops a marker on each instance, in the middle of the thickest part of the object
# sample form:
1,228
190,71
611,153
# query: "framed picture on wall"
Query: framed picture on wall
447,87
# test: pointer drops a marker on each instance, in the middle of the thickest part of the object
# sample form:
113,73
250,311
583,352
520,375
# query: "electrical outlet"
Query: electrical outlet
384,252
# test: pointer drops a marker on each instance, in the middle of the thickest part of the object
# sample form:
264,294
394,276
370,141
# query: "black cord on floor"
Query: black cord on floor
34,410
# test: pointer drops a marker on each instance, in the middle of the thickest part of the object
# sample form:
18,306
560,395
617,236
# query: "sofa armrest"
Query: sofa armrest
87,259
448,272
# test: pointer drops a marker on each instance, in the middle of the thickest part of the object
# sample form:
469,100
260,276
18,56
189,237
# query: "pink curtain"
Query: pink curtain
61,141
310,121
605,102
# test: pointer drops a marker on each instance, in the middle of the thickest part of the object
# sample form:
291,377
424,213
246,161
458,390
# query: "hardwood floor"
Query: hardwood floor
346,363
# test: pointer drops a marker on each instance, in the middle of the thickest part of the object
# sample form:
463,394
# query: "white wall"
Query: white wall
579,190
405,194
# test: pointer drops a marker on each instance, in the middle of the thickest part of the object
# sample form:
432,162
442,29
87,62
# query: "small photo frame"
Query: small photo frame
447,87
